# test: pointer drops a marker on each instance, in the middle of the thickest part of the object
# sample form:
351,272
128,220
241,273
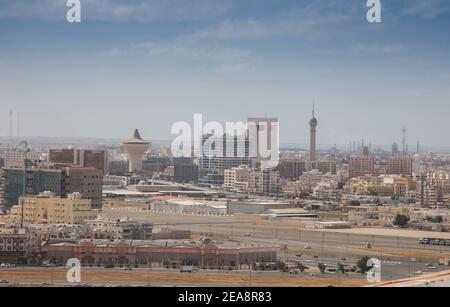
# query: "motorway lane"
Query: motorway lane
261,231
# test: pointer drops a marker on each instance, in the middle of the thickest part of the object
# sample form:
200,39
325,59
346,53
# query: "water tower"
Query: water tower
136,148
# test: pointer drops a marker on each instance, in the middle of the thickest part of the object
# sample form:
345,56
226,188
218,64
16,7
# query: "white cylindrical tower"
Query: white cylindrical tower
136,148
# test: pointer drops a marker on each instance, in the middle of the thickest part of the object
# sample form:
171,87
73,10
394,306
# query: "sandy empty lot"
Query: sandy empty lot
173,278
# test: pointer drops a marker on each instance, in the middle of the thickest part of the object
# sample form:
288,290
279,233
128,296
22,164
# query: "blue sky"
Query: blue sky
148,64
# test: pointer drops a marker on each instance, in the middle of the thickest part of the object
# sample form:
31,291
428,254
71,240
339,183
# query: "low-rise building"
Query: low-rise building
208,255
50,209
121,229
17,245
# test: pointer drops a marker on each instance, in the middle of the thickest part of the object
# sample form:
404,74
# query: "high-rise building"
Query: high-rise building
257,128
400,165
365,151
15,158
264,182
291,168
325,166
155,165
37,180
184,172
79,157
220,153
136,148
237,178
395,151
428,194
361,166
118,167
88,181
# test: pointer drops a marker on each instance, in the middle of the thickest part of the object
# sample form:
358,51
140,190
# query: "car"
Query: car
314,274
418,273
432,268
128,268
295,271
4,282
308,247
188,269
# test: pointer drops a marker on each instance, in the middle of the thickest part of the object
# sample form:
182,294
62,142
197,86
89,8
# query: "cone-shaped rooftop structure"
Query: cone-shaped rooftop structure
136,148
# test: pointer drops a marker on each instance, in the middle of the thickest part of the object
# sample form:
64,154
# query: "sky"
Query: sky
148,64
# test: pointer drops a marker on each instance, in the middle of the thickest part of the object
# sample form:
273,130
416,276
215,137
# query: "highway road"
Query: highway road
240,227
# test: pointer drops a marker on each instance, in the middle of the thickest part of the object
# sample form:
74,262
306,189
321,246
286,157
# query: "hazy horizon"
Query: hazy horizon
152,63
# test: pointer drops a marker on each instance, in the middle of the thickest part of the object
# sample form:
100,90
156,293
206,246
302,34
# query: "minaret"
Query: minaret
312,139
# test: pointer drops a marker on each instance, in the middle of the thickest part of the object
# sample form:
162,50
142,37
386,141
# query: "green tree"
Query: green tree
322,267
401,220
362,264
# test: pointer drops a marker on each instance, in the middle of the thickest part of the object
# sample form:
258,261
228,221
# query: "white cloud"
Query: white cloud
427,9
204,55
117,10
387,48
314,19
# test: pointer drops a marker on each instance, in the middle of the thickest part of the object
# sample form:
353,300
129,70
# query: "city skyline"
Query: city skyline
368,79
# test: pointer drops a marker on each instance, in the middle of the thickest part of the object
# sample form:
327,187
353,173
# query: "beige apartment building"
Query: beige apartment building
237,178
400,166
264,182
361,165
46,208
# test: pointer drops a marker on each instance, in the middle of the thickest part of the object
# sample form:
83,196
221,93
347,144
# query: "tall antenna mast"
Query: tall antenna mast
314,108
